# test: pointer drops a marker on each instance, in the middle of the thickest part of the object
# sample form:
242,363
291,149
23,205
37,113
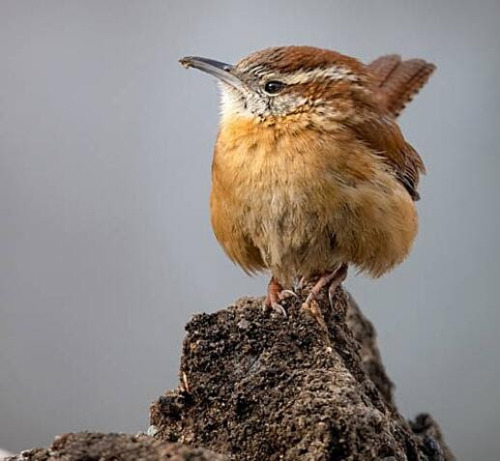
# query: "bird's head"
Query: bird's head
292,83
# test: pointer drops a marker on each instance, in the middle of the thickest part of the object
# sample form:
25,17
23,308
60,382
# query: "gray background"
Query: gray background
105,242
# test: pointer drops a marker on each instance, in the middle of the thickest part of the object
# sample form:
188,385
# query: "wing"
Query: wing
398,81
395,82
382,135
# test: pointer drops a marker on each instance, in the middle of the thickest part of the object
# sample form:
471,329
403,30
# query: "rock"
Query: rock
310,386
256,385
86,446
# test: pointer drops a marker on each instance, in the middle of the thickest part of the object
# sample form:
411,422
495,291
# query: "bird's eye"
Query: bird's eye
273,87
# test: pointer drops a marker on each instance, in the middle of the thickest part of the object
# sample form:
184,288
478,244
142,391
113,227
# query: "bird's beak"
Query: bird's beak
220,70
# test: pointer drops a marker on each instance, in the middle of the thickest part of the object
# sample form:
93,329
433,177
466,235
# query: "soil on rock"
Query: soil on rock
256,385
259,386
87,446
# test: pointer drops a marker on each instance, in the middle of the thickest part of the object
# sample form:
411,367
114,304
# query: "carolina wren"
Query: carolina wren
311,173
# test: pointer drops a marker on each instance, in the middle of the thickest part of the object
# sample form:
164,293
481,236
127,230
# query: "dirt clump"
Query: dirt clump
310,386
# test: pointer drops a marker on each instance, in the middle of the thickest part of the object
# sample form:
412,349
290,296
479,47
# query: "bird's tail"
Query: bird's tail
399,81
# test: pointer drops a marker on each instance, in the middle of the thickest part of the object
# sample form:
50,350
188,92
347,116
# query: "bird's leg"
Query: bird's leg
274,296
340,276
333,279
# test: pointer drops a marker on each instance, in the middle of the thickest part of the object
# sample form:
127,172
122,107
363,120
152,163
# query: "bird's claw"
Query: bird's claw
311,306
285,294
279,308
275,307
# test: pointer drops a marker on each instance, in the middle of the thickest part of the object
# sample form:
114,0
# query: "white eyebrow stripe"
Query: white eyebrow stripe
331,73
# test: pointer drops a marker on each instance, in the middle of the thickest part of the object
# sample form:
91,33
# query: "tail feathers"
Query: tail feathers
382,67
399,81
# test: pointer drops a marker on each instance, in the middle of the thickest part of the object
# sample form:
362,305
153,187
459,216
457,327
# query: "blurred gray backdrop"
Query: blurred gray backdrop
105,242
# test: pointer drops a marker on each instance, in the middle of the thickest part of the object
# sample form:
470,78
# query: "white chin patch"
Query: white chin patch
232,103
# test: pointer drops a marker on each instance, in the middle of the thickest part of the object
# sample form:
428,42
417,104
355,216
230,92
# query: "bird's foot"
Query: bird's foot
276,294
332,279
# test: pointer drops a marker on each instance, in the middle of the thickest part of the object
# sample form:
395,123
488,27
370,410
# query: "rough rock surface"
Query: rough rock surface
258,386
87,446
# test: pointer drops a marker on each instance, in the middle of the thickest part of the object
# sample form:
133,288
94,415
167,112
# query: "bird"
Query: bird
311,173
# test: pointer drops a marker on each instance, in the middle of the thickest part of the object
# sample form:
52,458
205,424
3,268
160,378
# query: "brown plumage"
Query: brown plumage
311,172
399,81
